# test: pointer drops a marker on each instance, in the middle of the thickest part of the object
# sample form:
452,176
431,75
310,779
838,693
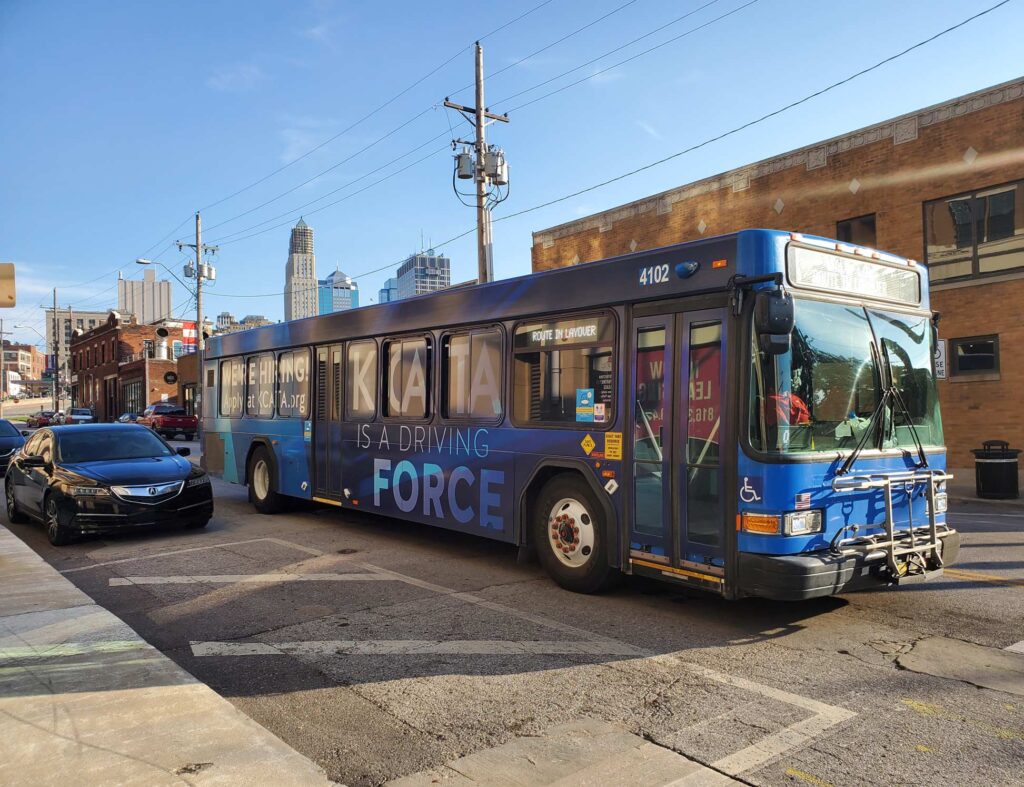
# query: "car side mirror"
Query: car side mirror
25,433
774,319
34,460
184,452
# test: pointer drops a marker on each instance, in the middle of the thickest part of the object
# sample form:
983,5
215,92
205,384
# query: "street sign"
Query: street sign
940,359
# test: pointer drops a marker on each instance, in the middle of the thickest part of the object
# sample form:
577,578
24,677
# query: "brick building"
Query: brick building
121,366
944,185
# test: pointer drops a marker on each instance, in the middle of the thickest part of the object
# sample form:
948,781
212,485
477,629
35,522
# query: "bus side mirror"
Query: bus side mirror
774,318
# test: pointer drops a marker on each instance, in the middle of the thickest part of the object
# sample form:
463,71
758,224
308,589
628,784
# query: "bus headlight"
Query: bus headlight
800,523
941,503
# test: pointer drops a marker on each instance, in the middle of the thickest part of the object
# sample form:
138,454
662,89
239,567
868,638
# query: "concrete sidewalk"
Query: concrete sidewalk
85,701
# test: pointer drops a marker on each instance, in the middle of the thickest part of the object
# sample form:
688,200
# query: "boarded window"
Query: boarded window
472,375
406,378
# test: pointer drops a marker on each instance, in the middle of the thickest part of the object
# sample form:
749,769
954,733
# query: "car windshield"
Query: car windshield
821,394
171,411
102,445
46,413
7,429
79,411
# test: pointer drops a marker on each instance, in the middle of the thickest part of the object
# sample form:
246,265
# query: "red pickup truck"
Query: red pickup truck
169,420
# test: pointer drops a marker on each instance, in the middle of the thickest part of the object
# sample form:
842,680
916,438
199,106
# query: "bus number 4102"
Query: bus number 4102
653,274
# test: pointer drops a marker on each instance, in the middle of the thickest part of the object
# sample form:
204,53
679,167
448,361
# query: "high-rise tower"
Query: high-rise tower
300,284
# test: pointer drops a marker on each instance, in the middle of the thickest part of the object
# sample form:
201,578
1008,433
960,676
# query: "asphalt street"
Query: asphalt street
381,649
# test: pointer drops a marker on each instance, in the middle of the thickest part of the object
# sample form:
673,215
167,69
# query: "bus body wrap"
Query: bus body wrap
753,415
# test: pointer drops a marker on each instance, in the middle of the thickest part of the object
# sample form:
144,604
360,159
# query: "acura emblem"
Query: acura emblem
152,491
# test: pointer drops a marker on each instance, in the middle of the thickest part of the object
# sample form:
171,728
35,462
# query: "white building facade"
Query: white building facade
300,283
148,300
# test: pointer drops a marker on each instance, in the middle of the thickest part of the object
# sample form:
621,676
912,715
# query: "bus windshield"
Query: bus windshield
821,394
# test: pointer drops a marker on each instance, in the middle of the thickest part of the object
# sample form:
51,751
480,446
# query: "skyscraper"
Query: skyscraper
425,272
149,300
300,284
389,292
337,293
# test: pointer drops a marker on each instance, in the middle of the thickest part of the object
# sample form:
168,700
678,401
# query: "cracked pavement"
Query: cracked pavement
408,666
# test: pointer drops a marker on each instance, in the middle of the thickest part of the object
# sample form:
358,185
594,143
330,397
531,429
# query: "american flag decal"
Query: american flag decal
803,501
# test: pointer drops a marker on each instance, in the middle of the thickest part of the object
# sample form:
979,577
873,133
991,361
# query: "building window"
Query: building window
859,230
975,234
564,371
471,375
975,356
407,378
361,381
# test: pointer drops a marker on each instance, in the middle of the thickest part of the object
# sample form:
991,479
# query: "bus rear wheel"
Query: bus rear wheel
262,483
570,536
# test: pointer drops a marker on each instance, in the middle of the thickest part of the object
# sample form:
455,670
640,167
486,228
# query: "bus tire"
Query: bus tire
263,483
570,535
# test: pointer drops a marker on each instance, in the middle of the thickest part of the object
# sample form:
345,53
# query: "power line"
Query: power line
628,59
761,119
373,112
692,148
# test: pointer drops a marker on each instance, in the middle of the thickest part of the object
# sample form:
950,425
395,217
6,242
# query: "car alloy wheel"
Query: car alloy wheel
57,534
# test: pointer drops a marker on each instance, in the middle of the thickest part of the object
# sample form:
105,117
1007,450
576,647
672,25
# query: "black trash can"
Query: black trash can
995,470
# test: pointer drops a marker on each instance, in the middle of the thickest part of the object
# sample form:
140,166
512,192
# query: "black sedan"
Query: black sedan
102,478
10,441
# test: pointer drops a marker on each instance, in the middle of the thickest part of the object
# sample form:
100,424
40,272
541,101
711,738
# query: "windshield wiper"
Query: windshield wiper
913,429
868,432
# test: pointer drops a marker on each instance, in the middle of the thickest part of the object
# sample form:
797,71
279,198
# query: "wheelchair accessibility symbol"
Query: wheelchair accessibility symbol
748,494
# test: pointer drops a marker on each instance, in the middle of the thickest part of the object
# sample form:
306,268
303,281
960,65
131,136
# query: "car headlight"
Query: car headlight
800,523
90,491
198,481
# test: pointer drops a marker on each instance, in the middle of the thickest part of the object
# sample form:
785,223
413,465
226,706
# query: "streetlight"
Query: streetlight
142,261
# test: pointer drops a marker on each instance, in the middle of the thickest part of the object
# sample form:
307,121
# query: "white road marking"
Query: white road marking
1016,647
230,579
968,514
770,748
379,647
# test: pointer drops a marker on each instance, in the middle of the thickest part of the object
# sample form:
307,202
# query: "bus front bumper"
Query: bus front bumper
814,574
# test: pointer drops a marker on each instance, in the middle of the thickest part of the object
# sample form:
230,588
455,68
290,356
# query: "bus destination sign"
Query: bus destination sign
817,269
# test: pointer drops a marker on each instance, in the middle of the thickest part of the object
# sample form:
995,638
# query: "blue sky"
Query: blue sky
120,119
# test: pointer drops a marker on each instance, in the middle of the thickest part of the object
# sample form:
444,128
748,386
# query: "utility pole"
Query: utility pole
3,367
202,271
56,353
486,168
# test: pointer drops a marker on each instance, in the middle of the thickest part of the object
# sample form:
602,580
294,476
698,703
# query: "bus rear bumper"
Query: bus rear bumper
815,574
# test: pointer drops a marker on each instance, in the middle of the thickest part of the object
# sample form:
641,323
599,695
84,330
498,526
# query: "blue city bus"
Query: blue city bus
753,414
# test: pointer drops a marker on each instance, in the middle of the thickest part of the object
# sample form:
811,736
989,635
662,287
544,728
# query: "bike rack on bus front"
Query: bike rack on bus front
899,543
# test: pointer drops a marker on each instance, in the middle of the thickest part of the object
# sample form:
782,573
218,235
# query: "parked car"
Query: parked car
42,418
78,415
128,418
102,478
11,439
169,420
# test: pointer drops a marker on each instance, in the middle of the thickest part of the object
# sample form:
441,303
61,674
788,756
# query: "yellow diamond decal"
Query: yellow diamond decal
588,444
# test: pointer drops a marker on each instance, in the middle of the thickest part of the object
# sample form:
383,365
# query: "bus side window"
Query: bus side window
232,385
471,375
293,369
361,381
406,378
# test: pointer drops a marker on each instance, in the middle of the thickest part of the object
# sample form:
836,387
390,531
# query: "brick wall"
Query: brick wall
889,170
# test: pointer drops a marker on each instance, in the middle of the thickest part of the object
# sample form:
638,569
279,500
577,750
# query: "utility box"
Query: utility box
996,471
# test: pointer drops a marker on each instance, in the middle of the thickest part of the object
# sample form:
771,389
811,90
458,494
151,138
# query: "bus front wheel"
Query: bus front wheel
570,536
262,483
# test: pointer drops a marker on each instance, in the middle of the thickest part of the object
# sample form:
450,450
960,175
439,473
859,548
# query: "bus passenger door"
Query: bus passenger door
327,423
652,534
677,376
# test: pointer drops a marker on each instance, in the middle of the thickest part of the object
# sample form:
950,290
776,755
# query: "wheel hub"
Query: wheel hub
571,532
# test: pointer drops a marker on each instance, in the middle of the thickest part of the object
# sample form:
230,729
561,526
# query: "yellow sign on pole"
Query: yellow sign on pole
8,297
